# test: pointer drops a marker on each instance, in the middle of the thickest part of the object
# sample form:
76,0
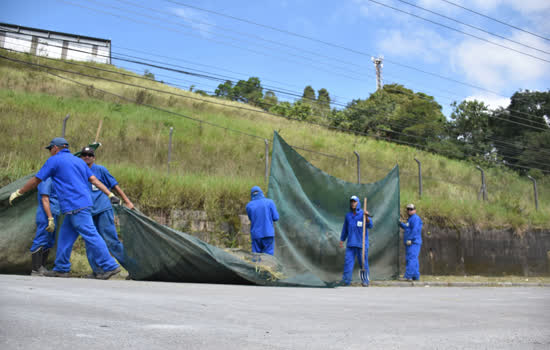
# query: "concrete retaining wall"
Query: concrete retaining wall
468,251
445,251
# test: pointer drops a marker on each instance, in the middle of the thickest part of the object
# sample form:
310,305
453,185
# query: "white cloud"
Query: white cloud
491,101
498,68
196,19
425,44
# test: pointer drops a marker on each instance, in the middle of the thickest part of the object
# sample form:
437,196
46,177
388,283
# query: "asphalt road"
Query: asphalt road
53,313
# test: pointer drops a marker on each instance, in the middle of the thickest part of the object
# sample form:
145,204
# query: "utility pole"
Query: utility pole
378,64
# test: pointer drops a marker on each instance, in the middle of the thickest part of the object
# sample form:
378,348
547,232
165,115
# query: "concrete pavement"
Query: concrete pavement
55,313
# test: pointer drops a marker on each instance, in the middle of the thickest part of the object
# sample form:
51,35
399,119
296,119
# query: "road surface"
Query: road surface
56,313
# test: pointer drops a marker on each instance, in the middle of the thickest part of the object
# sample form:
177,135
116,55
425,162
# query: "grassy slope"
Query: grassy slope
213,169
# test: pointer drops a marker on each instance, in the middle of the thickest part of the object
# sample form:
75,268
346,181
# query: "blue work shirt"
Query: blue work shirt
413,230
70,179
353,228
262,213
100,199
45,188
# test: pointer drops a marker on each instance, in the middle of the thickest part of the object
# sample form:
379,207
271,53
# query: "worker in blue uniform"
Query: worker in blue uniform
70,176
262,214
47,214
102,210
412,239
352,231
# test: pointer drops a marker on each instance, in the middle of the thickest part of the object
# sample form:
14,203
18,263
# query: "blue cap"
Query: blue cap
354,198
59,142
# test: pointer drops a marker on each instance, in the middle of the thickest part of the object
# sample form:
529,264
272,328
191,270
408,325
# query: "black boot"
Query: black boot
37,258
45,254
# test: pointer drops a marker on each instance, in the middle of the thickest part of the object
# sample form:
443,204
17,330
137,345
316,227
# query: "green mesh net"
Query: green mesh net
311,204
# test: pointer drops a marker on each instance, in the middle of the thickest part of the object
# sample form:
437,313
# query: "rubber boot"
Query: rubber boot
37,268
45,254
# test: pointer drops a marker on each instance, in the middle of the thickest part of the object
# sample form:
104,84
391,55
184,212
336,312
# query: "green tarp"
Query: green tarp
312,206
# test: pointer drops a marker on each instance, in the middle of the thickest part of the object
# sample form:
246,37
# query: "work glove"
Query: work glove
114,199
51,225
15,195
409,242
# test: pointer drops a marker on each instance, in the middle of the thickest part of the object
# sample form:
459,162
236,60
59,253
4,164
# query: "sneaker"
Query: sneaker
91,276
54,273
364,284
403,279
108,274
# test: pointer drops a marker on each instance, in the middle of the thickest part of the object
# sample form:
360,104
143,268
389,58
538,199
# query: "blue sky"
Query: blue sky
355,29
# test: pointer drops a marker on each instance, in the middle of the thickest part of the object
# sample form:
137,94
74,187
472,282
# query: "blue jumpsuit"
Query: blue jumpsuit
70,178
262,213
104,217
43,238
353,232
413,233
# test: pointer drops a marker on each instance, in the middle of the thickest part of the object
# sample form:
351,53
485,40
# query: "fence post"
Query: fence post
419,177
64,125
483,188
358,167
169,151
535,190
266,160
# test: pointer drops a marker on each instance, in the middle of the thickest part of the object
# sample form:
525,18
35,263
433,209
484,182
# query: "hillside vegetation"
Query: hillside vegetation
213,168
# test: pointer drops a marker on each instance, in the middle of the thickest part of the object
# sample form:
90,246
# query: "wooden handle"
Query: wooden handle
98,130
364,228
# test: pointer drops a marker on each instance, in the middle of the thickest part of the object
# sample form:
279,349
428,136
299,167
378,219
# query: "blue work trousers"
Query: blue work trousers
81,223
351,254
412,267
43,238
105,225
263,245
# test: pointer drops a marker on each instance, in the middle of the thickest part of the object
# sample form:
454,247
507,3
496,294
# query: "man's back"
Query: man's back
262,213
70,177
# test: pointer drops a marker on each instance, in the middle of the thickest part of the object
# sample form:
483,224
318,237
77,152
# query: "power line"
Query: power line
494,19
471,26
161,91
206,75
238,107
333,45
459,31
216,41
317,54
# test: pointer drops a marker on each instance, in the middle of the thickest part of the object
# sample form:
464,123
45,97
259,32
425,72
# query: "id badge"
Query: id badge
359,223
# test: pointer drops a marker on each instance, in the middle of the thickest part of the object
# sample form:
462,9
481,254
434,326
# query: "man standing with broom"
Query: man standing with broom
355,230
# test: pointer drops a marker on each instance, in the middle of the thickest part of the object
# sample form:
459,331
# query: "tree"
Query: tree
282,108
270,100
225,90
309,95
517,126
148,74
470,128
300,110
323,103
249,91
394,111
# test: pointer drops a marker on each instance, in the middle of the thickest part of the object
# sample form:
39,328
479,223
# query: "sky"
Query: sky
325,44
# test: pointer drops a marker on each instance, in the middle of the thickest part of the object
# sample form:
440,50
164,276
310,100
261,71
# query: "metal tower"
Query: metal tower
378,64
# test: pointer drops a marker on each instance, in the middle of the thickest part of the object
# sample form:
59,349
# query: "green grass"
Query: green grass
213,169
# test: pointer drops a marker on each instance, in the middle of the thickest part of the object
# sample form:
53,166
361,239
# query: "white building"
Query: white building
54,44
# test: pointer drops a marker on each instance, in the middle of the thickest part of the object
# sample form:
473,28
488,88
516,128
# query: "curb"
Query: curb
457,284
